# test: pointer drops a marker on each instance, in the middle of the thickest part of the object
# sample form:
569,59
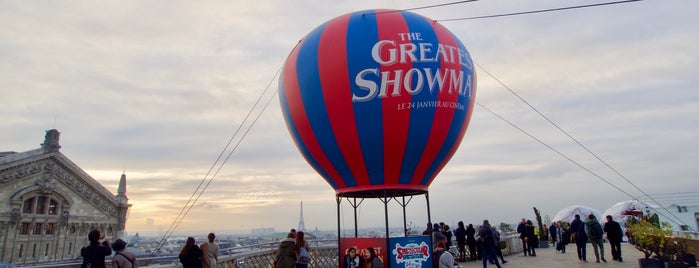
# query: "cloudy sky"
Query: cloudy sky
158,88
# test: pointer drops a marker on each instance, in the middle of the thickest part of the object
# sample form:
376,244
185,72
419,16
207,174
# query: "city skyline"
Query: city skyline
156,90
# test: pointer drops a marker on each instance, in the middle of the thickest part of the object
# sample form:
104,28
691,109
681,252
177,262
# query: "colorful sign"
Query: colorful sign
378,100
410,252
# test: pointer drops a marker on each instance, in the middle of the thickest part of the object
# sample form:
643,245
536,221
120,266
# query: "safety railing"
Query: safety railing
324,253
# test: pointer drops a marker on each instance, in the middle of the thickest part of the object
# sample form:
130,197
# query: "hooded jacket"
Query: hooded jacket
287,253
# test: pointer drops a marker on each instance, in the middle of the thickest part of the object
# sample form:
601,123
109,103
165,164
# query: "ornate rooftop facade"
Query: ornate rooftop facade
48,205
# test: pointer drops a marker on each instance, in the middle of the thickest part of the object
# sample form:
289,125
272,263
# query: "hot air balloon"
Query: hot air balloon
378,101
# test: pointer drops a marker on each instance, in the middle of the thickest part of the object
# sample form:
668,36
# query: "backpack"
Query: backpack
487,238
596,230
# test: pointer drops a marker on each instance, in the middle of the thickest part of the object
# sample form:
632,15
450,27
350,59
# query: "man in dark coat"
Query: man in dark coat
614,235
93,254
530,237
577,228
471,242
522,230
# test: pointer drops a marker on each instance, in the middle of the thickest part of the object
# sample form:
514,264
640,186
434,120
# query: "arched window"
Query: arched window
41,205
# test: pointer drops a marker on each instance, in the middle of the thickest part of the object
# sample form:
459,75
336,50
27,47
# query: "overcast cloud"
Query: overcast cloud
157,88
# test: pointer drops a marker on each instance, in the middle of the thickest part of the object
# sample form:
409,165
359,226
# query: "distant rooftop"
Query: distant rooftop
2,154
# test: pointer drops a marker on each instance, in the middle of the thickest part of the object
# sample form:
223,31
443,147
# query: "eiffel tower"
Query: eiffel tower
301,227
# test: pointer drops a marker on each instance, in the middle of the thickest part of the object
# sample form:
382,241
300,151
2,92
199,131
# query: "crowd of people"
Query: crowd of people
191,255
580,232
484,244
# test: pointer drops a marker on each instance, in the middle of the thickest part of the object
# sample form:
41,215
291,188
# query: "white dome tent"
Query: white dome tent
618,209
568,214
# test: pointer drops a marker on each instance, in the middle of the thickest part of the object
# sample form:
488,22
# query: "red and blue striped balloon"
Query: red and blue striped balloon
378,100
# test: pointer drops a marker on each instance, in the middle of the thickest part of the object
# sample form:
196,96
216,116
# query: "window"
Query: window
41,205
49,228
46,251
37,228
53,207
24,228
34,252
684,228
681,209
28,206
21,248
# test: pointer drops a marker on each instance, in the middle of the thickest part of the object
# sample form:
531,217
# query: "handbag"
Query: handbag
304,256
502,244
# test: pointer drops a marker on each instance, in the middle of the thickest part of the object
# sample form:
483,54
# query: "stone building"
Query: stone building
48,205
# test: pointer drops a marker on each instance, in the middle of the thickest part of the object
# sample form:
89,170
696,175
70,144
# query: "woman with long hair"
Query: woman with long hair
373,261
190,255
303,252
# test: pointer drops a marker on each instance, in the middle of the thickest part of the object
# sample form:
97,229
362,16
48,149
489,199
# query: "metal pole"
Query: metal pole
356,232
429,218
338,199
385,210
405,224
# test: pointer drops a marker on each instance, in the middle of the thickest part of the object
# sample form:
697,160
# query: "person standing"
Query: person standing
122,257
522,230
563,238
498,250
488,243
190,255
530,237
286,257
460,234
303,251
210,252
596,235
471,241
447,235
93,254
577,230
437,235
553,235
428,230
614,235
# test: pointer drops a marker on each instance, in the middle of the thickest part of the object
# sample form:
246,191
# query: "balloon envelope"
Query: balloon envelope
378,100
